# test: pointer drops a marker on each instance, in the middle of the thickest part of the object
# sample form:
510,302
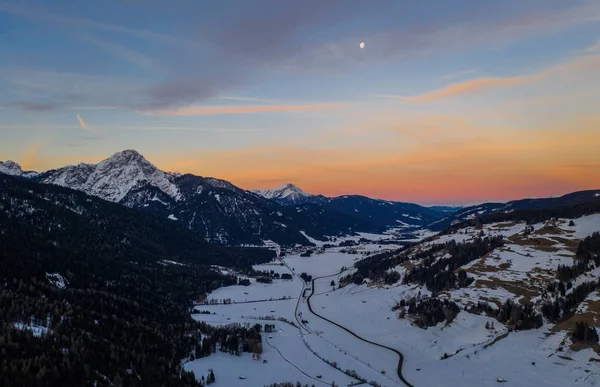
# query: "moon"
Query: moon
362,45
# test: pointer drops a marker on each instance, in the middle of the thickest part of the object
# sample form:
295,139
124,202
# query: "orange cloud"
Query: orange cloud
81,122
31,155
478,85
243,109
593,49
473,86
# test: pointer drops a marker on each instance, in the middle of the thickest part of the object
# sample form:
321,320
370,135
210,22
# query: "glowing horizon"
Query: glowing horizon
439,107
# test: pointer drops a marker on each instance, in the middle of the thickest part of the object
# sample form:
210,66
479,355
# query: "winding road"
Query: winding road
400,355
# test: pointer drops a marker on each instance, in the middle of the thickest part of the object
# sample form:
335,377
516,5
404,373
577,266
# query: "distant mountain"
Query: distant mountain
383,213
112,179
486,209
219,212
447,209
380,214
11,168
286,194
215,209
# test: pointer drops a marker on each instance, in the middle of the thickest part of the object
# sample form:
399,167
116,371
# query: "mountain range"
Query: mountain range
223,213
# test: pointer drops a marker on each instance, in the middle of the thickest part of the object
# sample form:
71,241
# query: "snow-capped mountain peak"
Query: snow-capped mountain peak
288,192
14,169
10,168
113,178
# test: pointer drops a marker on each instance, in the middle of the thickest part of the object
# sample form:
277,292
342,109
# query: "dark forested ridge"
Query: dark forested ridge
572,205
109,289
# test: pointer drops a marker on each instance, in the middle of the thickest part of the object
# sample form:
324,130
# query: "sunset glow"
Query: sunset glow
435,114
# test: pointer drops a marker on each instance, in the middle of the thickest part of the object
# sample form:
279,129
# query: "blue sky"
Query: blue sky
266,92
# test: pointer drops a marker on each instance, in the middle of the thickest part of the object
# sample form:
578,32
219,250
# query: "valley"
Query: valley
350,326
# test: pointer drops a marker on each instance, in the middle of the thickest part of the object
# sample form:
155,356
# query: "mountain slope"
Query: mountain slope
106,288
112,179
383,213
539,204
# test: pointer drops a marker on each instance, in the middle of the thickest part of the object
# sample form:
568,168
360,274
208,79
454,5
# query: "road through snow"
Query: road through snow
400,355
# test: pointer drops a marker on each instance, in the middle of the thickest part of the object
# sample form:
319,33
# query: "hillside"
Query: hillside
94,292
576,202
513,301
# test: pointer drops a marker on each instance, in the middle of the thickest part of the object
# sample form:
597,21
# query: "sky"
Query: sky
448,102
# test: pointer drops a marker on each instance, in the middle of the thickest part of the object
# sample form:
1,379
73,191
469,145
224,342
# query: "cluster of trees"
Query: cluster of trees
268,276
244,282
519,316
391,277
264,280
589,249
218,301
307,253
439,274
264,273
481,308
376,267
584,333
122,318
514,316
210,378
566,273
306,277
270,328
588,254
429,312
355,278
348,243
233,338
564,307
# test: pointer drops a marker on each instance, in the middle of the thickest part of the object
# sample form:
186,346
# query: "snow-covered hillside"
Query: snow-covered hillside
351,328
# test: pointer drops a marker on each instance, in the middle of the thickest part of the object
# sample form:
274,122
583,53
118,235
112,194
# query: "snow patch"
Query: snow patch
36,330
166,262
57,280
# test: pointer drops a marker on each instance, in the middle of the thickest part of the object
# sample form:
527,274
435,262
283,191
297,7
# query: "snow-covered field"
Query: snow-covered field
477,356
288,358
